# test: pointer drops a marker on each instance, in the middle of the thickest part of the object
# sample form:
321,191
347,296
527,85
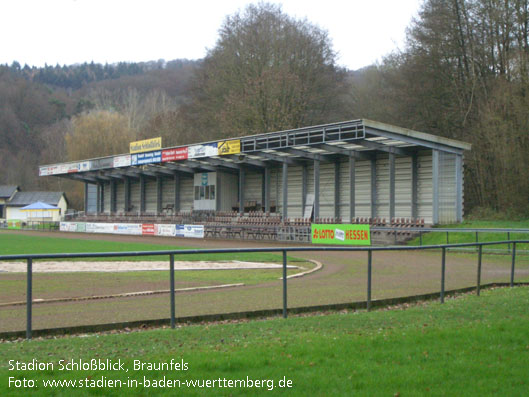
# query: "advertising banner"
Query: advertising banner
194,231
68,226
207,150
146,158
80,227
14,224
97,164
147,229
84,166
164,230
146,145
99,227
229,147
122,161
339,234
174,154
128,228
179,231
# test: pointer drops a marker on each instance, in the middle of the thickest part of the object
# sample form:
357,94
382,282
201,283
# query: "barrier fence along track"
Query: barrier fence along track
31,257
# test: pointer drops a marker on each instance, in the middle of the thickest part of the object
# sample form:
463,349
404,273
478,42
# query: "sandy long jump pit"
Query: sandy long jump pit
126,266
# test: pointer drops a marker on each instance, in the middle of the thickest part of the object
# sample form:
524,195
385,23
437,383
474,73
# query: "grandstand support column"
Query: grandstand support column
285,191
316,189
352,183
267,189
414,185
86,198
241,191
304,184
127,194
177,192
337,184
459,187
374,186
435,188
113,200
142,193
159,194
391,186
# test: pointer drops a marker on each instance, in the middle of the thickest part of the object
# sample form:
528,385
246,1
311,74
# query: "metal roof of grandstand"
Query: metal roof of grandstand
357,138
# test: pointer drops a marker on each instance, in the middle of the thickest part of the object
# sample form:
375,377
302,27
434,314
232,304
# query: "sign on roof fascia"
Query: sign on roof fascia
146,145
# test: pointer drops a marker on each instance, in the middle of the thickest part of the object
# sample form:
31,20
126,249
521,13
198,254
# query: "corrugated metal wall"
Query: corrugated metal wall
120,196
344,190
150,195
447,188
363,188
252,186
382,183
326,189
91,199
106,199
295,190
186,193
425,186
135,195
167,191
228,190
403,187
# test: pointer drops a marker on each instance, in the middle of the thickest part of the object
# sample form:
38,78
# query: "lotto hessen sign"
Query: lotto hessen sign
339,234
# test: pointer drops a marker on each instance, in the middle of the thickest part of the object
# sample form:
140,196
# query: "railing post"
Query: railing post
443,263
508,238
29,298
285,284
513,262
447,239
420,238
480,250
477,237
369,263
171,278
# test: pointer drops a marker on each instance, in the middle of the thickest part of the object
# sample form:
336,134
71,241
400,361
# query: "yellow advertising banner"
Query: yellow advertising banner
146,145
229,147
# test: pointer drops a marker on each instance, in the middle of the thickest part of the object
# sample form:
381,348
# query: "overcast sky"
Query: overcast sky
76,31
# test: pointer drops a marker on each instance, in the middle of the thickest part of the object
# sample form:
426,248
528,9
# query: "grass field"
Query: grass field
435,238
468,346
13,243
69,285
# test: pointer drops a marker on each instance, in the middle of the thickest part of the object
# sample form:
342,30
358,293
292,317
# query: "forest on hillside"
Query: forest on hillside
463,74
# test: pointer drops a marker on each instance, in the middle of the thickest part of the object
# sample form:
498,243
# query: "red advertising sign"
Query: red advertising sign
174,154
147,229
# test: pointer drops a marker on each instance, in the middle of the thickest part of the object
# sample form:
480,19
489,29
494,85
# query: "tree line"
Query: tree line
463,74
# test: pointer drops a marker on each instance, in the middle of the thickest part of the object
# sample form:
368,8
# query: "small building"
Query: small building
13,207
6,193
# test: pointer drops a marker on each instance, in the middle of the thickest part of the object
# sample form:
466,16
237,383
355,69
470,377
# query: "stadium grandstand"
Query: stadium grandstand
358,171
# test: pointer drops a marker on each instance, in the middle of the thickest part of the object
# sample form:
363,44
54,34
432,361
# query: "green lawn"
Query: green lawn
468,346
434,238
12,243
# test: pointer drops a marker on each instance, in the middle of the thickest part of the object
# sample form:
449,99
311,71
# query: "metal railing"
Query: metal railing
29,258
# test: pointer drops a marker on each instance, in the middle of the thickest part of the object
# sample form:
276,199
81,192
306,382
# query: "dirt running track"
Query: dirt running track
342,279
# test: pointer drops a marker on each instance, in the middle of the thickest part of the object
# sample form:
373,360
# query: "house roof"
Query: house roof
22,199
6,191
39,206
